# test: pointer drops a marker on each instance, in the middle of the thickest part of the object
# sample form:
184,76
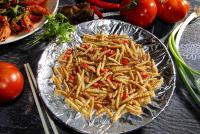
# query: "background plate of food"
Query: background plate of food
113,78
19,19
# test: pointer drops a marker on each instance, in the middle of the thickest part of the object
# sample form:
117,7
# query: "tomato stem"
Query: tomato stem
134,3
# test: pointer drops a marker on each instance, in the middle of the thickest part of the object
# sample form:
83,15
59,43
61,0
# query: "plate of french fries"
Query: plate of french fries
112,78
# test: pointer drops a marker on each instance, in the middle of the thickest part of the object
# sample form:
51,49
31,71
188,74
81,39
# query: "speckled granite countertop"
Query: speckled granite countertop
180,117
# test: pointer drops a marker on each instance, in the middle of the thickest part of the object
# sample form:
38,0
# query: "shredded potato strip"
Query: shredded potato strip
108,74
81,80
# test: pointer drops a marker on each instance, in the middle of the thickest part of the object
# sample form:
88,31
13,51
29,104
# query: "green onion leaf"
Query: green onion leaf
186,73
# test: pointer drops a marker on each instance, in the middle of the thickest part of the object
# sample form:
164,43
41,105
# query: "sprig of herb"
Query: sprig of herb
57,26
15,11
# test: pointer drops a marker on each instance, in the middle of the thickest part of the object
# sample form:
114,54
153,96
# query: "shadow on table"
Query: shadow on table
5,104
161,29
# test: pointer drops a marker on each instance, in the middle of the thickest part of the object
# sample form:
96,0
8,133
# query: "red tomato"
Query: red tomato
172,11
11,82
139,12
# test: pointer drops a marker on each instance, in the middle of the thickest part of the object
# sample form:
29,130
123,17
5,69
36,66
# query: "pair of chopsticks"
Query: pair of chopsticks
33,85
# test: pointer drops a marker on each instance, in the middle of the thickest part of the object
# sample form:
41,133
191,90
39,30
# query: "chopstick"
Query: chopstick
33,85
44,124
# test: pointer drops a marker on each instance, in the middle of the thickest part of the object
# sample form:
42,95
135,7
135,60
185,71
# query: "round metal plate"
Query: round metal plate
127,122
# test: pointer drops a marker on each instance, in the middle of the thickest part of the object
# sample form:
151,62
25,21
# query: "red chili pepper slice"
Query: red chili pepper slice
112,52
125,62
125,41
65,57
116,81
69,51
104,49
84,65
103,4
144,75
110,78
124,96
86,46
71,77
96,85
105,70
96,11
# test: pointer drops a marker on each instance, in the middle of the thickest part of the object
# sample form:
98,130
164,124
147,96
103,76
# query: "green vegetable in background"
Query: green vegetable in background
186,73
57,26
13,11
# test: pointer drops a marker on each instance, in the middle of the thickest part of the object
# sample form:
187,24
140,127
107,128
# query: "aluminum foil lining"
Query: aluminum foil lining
103,125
